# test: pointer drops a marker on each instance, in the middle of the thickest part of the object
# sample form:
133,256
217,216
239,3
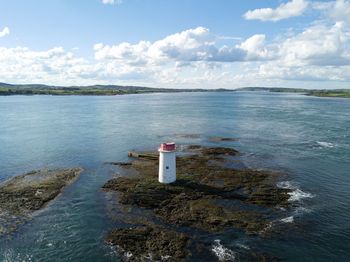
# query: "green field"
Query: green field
330,93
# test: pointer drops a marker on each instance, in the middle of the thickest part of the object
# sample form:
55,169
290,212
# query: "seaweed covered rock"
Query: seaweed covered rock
208,196
155,243
24,194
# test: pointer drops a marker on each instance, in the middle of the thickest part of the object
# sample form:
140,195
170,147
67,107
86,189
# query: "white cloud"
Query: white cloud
320,52
111,2
4,32
257,50
19,62
192,45
284,11
340,11
318,45
58,67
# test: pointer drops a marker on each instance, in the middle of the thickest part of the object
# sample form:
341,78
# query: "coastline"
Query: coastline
94,90
113,90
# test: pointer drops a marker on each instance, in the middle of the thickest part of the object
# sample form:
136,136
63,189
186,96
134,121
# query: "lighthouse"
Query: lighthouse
167,163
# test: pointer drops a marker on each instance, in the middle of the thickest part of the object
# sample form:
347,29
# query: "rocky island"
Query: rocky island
208,197
25,194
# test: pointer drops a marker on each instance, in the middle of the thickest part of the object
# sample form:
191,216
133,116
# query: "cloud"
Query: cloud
111,2
340,11
318,45
192,45
284,11
60,67
21,62
4,32
194,57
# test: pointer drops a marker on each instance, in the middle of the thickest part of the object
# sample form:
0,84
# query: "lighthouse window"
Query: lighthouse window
167,167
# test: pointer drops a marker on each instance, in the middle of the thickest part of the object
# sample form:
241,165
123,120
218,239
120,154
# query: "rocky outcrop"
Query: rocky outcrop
24,194
207,195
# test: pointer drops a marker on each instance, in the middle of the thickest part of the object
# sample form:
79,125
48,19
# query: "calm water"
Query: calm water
307,138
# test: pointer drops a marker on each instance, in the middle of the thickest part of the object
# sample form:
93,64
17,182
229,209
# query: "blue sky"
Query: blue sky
183,43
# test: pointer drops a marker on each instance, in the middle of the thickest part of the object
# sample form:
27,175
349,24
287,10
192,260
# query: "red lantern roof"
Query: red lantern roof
168,146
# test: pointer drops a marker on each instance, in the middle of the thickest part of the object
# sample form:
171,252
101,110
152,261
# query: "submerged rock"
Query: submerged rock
22,195
207,195
118,163
217,139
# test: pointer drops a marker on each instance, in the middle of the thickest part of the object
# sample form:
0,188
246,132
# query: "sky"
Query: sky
176,43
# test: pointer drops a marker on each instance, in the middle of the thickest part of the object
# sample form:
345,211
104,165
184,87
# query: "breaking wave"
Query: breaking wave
223,253
297,194
294,196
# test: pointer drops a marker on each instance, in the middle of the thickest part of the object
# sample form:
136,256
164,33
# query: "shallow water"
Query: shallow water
307,138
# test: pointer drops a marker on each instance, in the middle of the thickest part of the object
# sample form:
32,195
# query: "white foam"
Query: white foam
287,219
128,255
296,213
223,253
325,144
297,194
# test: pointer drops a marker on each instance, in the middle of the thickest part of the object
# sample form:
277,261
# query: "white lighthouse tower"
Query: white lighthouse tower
167,163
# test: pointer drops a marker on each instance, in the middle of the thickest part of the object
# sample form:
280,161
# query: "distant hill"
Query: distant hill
39,89
47,87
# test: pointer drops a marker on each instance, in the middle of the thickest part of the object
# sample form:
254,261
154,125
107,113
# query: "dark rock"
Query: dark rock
157,243
216,139
207,196
22,195
190,201
118,163
214,151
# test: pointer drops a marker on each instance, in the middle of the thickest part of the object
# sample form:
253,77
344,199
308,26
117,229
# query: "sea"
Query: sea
305,138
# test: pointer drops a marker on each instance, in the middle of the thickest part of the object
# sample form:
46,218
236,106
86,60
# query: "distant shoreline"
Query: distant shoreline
112,90
95,90
340,93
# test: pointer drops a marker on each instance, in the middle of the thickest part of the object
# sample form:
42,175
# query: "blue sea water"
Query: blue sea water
306,138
